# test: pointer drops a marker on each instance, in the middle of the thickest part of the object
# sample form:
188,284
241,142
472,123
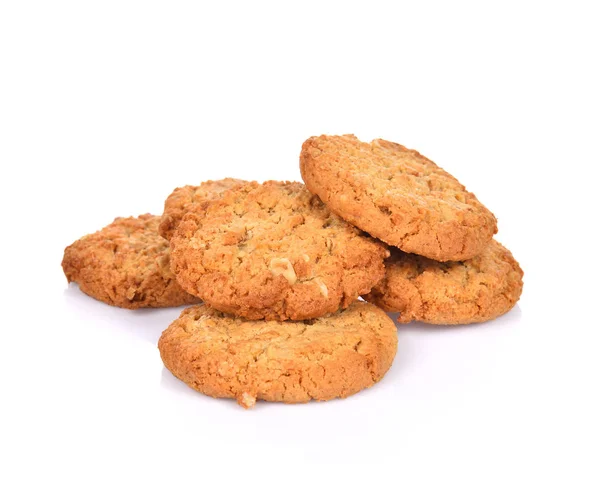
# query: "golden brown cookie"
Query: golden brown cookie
191,199
274,251
397,195
452,293
125,264
321,359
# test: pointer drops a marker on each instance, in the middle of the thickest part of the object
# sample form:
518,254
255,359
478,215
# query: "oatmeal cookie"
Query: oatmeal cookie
452,293
274,251
397,195
125,264
191,199
320,359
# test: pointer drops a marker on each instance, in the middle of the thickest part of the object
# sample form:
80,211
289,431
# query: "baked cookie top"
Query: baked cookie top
191,199
321,359
125,264
397,195
274,251
451,293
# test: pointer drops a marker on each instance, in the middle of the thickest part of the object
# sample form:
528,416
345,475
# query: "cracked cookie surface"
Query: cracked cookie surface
397,195
191,199
274,251
228,357
125,264
452,293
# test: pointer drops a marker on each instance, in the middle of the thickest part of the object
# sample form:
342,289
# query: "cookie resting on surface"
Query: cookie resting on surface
452,293
227,357
125,264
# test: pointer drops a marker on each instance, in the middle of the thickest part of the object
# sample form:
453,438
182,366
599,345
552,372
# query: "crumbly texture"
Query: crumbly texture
192,199
397,195
125,264
451,293
274,251
321,359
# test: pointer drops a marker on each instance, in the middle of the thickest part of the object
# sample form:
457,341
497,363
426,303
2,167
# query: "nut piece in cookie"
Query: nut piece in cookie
274,251
192,199
125,264
320,359
397,195
452,293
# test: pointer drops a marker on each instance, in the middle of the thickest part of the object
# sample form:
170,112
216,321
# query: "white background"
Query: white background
105,107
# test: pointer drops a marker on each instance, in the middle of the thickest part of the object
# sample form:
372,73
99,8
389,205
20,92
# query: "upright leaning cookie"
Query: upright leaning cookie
452,293
191,199
274,251
125,264
321,359
397,195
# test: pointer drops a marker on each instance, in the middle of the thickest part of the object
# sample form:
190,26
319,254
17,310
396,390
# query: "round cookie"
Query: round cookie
397,195
452,293
320,359
191,199
125,264
274,251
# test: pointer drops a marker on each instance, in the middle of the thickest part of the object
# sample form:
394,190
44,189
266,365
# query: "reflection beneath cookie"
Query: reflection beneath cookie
512,316
169,381
145,323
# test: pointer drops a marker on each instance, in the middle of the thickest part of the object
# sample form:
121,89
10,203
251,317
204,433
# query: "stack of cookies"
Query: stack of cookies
274,270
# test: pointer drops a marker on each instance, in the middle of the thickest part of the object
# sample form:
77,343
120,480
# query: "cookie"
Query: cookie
320,359
274,251
191,199
125,264
452,293
397,195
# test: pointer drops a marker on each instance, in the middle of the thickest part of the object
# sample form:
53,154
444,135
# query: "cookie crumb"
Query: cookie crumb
130,294
246,400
